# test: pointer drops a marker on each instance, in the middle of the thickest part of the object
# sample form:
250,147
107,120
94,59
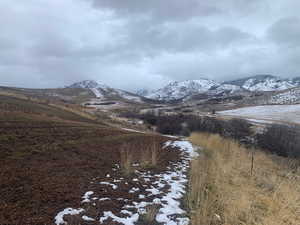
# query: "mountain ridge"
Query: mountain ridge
258,83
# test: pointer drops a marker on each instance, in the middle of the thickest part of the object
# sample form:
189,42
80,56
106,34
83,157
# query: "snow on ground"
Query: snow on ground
97,92
259,121
269,84
164,190
284,113
129,96
291,96
87,195
132,130
59,219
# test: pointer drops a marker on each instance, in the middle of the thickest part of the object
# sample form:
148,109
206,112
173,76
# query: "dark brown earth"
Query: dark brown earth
46,165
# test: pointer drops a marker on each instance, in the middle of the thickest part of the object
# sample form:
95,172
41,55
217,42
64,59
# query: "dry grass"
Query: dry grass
149,218
149,156
223,191
75,109
126,157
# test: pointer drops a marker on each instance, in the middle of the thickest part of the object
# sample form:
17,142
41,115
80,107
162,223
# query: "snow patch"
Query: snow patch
59,219
86,197
96,92
86,218
126,221
110,184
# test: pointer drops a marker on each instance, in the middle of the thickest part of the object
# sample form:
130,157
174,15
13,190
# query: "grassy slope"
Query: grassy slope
75,95
223,191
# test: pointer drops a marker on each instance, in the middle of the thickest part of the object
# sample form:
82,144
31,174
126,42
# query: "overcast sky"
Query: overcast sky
134,44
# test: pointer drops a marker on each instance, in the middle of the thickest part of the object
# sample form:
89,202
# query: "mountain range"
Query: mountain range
185,90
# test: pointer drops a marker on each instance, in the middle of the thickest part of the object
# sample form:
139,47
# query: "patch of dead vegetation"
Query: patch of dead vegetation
225,190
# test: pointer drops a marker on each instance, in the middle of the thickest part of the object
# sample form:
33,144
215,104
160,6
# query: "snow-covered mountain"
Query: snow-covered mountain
185,89
104,92
265,83
179,90
88,84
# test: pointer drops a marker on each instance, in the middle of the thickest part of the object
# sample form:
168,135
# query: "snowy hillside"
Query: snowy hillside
88,84
104,92
185,90
265,83
181,90
290,96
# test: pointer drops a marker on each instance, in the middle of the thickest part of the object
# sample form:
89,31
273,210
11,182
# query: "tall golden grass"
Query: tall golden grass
126,157
149,155
146,155
223,191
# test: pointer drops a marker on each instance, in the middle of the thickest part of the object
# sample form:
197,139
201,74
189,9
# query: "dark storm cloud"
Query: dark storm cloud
131,43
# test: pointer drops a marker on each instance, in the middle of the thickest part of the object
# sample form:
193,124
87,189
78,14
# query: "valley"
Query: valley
91,154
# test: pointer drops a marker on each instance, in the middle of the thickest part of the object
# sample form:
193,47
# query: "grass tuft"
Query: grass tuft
149,156
149,218
126,160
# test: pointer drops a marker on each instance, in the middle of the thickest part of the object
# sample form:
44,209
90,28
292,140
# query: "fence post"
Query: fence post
252,161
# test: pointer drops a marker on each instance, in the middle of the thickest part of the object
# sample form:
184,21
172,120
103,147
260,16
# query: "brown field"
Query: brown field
48,156
225,190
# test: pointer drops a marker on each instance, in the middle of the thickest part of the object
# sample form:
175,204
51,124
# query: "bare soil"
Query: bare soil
46,166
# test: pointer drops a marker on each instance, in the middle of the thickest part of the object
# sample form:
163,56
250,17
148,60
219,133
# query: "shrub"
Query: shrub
283,140
237,129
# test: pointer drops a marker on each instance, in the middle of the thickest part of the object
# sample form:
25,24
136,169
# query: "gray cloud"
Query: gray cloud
286,31
177,9
131,43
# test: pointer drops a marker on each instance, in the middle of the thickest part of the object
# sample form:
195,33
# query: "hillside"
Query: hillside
186,90
230,184
103,92
53,158
264,83
291,96
62,95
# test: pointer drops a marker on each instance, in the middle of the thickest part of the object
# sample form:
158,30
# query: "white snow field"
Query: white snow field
267,113
166,190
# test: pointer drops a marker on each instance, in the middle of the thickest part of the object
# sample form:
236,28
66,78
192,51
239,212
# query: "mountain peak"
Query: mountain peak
180,89
88,84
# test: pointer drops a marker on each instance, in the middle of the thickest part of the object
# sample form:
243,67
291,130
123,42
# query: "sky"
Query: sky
137,44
